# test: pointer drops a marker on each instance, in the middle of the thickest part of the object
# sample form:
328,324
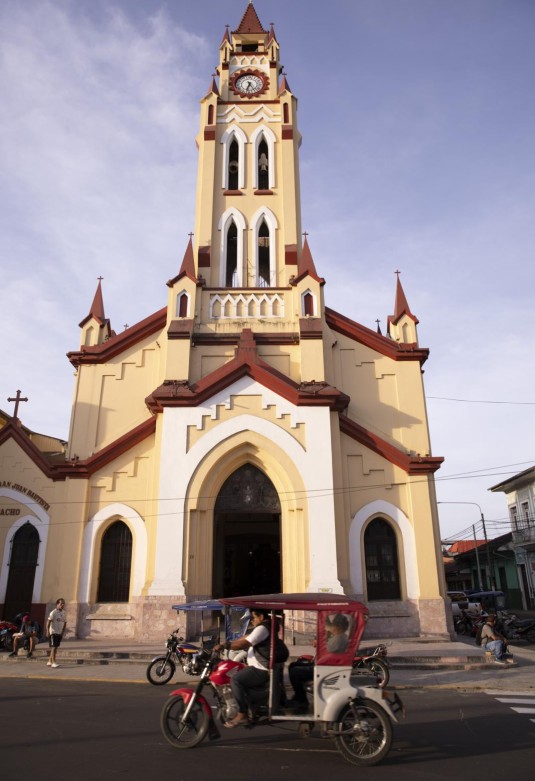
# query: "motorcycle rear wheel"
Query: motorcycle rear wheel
185,735
160,671
365,733
380,671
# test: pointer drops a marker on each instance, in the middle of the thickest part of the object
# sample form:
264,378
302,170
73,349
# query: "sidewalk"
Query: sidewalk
414,663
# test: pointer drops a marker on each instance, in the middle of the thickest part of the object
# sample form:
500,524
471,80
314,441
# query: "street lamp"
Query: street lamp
489,557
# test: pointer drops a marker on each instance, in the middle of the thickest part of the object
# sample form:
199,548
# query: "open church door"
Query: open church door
247,541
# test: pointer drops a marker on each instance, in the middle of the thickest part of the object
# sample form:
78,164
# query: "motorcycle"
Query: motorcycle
162,668
468,623
7,630
358,718
514,628
180,653
374,661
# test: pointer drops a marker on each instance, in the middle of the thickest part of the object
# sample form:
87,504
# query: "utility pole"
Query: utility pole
477,559
490,563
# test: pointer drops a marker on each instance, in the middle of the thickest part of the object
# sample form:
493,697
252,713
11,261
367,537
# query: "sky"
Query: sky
418,155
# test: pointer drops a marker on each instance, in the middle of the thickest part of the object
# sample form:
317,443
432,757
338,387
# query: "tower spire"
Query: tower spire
250,23
97,307
401,326
401,307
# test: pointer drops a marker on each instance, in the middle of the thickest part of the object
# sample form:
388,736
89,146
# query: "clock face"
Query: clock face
249,84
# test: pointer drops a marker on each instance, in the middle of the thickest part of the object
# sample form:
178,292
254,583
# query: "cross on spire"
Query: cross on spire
17,399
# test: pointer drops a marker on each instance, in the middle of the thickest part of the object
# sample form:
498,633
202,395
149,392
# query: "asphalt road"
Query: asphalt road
81,730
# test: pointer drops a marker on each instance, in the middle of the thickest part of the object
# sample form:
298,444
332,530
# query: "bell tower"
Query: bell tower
248,213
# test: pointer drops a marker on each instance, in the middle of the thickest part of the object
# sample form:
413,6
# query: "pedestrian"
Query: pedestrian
55,629
29,629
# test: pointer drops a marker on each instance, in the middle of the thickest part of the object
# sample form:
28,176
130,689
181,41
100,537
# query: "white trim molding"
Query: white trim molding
232,215
266,134
356,545
115,512
231,133
41,521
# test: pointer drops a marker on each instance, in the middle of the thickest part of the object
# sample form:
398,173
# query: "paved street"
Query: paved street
85,730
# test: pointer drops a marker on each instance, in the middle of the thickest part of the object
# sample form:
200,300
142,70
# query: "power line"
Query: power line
483,401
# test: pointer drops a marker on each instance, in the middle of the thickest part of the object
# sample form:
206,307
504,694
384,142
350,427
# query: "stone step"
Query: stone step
79,656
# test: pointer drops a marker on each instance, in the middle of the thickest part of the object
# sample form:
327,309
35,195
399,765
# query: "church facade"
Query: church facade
245,438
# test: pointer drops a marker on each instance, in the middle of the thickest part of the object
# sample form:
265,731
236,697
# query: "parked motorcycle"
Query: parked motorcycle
467,623
514,628
7,630
162,668
358,718
374,661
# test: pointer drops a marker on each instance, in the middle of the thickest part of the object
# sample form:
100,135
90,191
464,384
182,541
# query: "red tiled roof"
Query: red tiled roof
250,23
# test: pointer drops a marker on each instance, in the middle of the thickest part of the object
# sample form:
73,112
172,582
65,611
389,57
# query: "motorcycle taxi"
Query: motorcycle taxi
358,718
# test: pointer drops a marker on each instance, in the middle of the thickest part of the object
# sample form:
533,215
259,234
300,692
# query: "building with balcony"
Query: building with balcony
519,491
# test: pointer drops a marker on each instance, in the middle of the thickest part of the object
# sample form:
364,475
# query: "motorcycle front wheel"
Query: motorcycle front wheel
187,734
160,671
364,733
380,671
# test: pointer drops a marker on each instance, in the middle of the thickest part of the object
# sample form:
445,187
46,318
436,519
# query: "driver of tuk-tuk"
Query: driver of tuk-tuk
256,674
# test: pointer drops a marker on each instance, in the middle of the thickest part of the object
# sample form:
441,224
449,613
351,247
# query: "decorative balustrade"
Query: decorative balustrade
240,304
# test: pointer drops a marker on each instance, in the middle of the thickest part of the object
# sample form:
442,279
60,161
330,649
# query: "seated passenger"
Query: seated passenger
337,629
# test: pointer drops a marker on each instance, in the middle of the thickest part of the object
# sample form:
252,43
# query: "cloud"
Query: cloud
99,133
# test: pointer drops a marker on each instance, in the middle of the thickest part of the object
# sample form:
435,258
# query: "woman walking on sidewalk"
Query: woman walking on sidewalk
55,629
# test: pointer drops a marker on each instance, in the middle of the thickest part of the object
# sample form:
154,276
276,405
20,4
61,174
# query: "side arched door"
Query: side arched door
381,554
22,564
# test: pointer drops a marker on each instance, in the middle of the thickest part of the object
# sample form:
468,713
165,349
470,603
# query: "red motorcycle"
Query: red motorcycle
358,718
7,630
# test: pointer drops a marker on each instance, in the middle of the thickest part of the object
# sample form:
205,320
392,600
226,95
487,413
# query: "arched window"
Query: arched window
115,563
263,158
263,256
231,272
233,165
182,304
263,166
233,141
264,228
308,304
210,115
286,115
381,555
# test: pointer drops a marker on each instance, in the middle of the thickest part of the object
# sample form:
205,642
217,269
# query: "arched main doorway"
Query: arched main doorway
247,549
22,564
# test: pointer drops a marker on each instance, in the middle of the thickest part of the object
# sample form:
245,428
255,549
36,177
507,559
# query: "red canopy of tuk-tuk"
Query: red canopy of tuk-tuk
304,601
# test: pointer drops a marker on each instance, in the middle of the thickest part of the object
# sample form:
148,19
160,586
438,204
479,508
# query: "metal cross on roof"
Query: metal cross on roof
17,399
